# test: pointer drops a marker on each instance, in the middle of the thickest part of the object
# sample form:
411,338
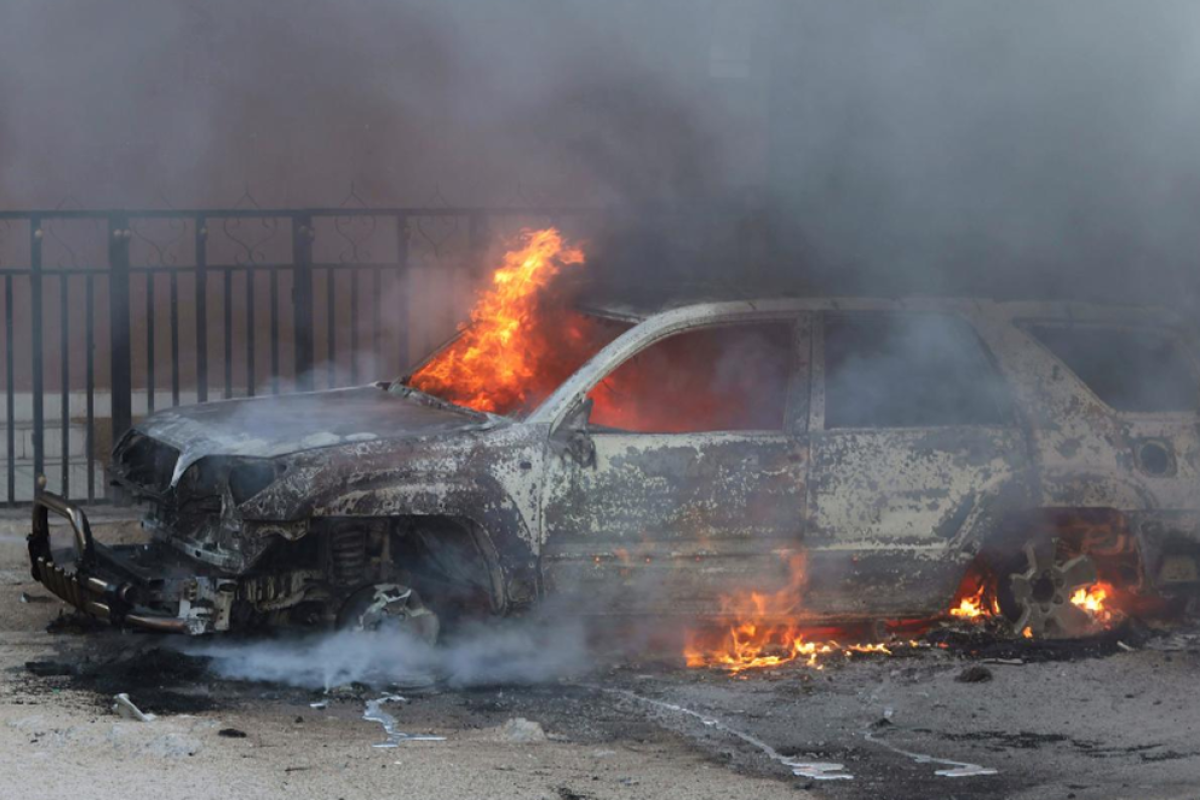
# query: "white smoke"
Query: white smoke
524,652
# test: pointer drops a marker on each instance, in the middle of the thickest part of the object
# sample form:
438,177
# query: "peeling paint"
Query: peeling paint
282,487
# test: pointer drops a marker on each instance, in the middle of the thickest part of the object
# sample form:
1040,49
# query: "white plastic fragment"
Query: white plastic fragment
965,771
125,708
819,770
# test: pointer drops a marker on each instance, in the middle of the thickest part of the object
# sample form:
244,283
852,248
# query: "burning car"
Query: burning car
802,461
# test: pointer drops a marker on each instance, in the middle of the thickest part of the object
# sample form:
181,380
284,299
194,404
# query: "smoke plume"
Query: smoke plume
520,651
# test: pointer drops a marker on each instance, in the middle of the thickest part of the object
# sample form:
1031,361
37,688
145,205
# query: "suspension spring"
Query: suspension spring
348,555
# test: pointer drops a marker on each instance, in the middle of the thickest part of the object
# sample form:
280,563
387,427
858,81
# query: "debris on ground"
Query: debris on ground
125,708
820,770
50,669
232,733
519,730
974,674
375,713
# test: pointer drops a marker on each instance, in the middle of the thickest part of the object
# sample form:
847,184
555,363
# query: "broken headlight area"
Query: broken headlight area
295,574
160,586
249,478
206,482
144,464
141,586
199,515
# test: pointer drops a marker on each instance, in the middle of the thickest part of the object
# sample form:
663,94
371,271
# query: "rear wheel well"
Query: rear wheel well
1103,534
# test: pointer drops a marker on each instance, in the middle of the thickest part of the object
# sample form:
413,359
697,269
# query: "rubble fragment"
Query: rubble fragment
974,674
819,770
522,731
125,708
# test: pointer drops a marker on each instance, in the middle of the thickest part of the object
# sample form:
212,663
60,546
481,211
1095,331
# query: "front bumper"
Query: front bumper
113,584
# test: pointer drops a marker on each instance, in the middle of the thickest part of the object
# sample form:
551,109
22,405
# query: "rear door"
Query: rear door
914,445
696,483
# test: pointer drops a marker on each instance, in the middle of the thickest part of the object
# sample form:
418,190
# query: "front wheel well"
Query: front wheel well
452,562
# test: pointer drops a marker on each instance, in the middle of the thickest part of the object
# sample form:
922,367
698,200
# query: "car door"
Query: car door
690,479
914,447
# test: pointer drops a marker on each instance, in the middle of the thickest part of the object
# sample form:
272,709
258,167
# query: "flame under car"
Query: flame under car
680,456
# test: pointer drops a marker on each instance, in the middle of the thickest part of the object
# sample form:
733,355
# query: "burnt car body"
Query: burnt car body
892,443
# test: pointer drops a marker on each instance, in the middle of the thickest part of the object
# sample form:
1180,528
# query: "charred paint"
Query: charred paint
247,498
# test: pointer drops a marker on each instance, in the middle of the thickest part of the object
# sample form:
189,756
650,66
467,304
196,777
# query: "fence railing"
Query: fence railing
111,314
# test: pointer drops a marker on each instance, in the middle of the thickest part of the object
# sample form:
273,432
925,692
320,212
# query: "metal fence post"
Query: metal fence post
400,301
35,295
302,299
201,232
118,322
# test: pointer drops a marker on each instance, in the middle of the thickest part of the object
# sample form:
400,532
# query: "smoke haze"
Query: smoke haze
943,146
523,651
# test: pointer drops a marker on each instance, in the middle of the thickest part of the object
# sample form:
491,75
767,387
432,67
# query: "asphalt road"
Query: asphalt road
1121,724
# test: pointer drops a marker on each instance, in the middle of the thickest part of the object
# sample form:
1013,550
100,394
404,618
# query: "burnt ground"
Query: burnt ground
1091,721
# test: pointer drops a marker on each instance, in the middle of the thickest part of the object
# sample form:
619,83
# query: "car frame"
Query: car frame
396,506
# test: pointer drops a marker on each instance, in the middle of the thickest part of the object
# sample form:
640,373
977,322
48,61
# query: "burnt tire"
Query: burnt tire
389,607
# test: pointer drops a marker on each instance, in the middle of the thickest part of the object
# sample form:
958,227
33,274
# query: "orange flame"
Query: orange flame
520,344
1092,600
976,606
765,632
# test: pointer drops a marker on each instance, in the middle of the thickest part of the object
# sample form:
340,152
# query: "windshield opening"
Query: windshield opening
514,380
525,336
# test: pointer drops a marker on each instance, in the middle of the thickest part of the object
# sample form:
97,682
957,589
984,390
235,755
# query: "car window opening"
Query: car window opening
1129,369
726,378
513,379
904,371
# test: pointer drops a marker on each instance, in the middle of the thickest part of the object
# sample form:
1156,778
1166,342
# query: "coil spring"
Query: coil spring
348,555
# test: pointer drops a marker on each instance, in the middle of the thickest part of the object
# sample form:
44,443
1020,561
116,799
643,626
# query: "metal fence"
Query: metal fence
109,315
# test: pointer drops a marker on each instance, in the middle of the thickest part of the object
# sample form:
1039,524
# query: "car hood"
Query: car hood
266,427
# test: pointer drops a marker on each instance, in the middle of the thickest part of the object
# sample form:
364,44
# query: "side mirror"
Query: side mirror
572,435
578,419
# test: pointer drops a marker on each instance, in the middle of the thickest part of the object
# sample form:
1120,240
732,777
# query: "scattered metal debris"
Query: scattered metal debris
806,769
819,770
957,769
125,708
1174,643
319,705
375,713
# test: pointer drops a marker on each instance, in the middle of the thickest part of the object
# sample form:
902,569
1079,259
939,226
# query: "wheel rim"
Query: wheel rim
1043,595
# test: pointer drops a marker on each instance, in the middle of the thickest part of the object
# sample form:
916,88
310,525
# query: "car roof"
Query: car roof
636,310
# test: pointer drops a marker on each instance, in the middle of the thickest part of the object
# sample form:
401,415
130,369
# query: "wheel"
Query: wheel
1042,595
389,607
